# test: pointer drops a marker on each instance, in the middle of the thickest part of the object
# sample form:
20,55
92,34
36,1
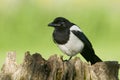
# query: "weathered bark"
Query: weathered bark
34,67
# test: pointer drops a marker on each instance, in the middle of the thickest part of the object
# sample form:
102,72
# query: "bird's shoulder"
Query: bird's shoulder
78,33
75,28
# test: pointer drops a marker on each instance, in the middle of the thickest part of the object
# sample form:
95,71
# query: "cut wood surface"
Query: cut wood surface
34,67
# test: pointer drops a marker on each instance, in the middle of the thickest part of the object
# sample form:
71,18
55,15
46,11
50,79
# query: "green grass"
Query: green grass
24,26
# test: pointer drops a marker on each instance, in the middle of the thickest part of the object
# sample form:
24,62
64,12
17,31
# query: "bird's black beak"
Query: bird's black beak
50,24
54,25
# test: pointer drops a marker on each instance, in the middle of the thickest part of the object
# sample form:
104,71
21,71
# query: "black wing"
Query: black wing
88,52
82,37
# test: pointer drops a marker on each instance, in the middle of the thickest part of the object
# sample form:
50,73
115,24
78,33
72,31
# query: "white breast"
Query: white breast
73,46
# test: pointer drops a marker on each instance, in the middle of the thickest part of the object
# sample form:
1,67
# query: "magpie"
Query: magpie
71,40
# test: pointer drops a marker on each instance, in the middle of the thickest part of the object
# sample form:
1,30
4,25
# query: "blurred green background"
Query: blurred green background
23,26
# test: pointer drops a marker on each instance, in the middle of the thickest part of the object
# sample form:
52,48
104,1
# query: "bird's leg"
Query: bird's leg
66,60
70,58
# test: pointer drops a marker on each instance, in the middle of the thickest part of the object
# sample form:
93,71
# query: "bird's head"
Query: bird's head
60,22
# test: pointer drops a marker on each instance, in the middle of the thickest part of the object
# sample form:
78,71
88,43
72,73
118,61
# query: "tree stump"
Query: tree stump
34,67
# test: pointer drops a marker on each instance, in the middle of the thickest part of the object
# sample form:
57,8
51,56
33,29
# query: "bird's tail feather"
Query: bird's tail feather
90,55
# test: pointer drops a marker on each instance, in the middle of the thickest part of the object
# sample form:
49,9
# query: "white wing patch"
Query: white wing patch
76,28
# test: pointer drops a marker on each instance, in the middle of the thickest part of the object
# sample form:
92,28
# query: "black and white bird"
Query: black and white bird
71,40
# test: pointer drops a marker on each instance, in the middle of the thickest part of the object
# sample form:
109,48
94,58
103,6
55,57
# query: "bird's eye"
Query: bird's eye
62,22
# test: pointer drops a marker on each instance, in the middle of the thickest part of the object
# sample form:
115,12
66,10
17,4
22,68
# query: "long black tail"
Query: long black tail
89,55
